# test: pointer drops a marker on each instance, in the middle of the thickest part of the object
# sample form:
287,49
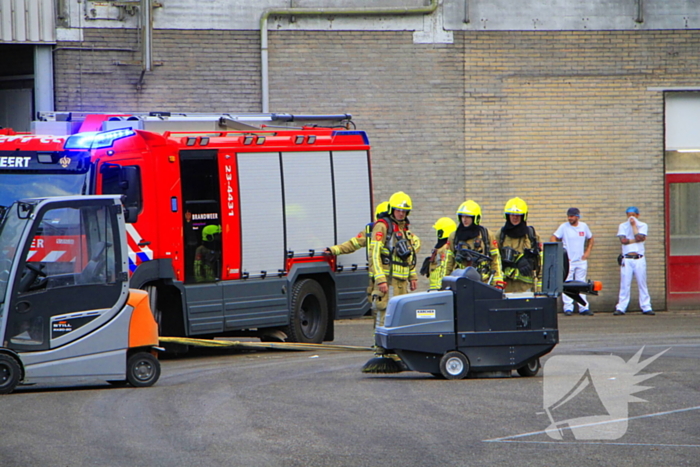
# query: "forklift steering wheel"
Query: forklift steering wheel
39,270
29,280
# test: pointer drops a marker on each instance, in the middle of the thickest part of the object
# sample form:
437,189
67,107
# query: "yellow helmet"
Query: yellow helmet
444,226
381,209
515,206
470,208
209,231
400,200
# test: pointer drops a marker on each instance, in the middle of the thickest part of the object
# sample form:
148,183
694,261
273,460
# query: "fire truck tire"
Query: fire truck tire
531,368
309,314
454,365
142,370
9,374
171,349
152,291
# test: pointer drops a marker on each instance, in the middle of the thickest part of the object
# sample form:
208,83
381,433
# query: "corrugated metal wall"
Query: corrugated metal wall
27,21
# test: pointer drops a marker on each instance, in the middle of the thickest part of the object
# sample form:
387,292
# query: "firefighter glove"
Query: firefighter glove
525,267
425,268
403,249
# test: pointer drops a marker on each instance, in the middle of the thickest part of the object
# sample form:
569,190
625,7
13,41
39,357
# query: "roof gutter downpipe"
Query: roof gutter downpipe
388,11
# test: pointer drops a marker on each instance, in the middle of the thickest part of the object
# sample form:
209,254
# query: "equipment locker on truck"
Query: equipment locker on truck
227,215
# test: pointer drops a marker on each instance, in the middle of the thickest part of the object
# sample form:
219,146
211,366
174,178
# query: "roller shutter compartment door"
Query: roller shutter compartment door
352,200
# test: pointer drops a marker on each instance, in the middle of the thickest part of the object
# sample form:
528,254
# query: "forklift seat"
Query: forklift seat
92,271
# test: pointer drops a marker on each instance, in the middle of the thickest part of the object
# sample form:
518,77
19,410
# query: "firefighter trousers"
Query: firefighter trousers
380,300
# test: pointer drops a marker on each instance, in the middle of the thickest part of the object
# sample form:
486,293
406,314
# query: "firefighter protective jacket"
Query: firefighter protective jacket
385,261
486,245
352,245
438,263
520,245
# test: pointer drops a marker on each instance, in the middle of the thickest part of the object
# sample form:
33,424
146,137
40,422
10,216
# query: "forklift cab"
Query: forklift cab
59,270
66,310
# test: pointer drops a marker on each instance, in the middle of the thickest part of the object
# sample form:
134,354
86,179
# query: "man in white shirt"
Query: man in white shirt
578,242
632,235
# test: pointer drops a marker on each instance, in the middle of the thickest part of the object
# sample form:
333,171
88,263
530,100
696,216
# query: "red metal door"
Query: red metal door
683,240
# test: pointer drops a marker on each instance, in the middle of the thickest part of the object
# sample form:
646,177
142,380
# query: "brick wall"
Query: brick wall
566,119
408,97
196,71
558,118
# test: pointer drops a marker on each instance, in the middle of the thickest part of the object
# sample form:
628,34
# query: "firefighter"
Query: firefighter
520,249
393,256
435,264
473,245
360,241
207,256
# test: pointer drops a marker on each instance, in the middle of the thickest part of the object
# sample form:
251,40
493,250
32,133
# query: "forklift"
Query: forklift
66,311
469,328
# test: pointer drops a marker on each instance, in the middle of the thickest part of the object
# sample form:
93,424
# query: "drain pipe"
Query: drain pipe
388,11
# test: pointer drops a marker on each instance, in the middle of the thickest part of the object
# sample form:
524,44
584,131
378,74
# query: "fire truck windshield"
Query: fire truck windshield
32,174
37,185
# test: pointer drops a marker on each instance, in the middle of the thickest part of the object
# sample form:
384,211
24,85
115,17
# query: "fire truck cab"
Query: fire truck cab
227,215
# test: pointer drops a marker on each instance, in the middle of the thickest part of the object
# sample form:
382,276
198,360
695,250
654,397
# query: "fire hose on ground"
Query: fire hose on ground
245,345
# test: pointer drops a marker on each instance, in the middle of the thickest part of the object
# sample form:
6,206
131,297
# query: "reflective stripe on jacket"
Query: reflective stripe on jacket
384,261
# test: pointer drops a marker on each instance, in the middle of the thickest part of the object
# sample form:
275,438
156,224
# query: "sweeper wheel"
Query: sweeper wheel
531,368
454,365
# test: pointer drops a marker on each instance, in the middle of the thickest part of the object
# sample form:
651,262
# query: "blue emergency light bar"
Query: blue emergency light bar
97,139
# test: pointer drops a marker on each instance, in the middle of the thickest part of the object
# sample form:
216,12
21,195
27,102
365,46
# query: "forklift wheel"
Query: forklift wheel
454,365
9,374
531,368
142,370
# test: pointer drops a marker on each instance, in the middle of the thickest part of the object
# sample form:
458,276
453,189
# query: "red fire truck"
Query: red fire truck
228,215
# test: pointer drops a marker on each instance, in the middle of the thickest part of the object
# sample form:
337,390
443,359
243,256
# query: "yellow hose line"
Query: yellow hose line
258,345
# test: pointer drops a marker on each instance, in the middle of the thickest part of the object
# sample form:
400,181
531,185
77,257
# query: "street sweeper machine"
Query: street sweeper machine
66,311
472,328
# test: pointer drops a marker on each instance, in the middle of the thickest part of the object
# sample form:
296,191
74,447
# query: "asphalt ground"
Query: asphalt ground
282,408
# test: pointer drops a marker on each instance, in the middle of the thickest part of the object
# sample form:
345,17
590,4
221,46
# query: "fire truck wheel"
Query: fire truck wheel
454,365
9,374
309,316
531,368
142,370
152,291
156,301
